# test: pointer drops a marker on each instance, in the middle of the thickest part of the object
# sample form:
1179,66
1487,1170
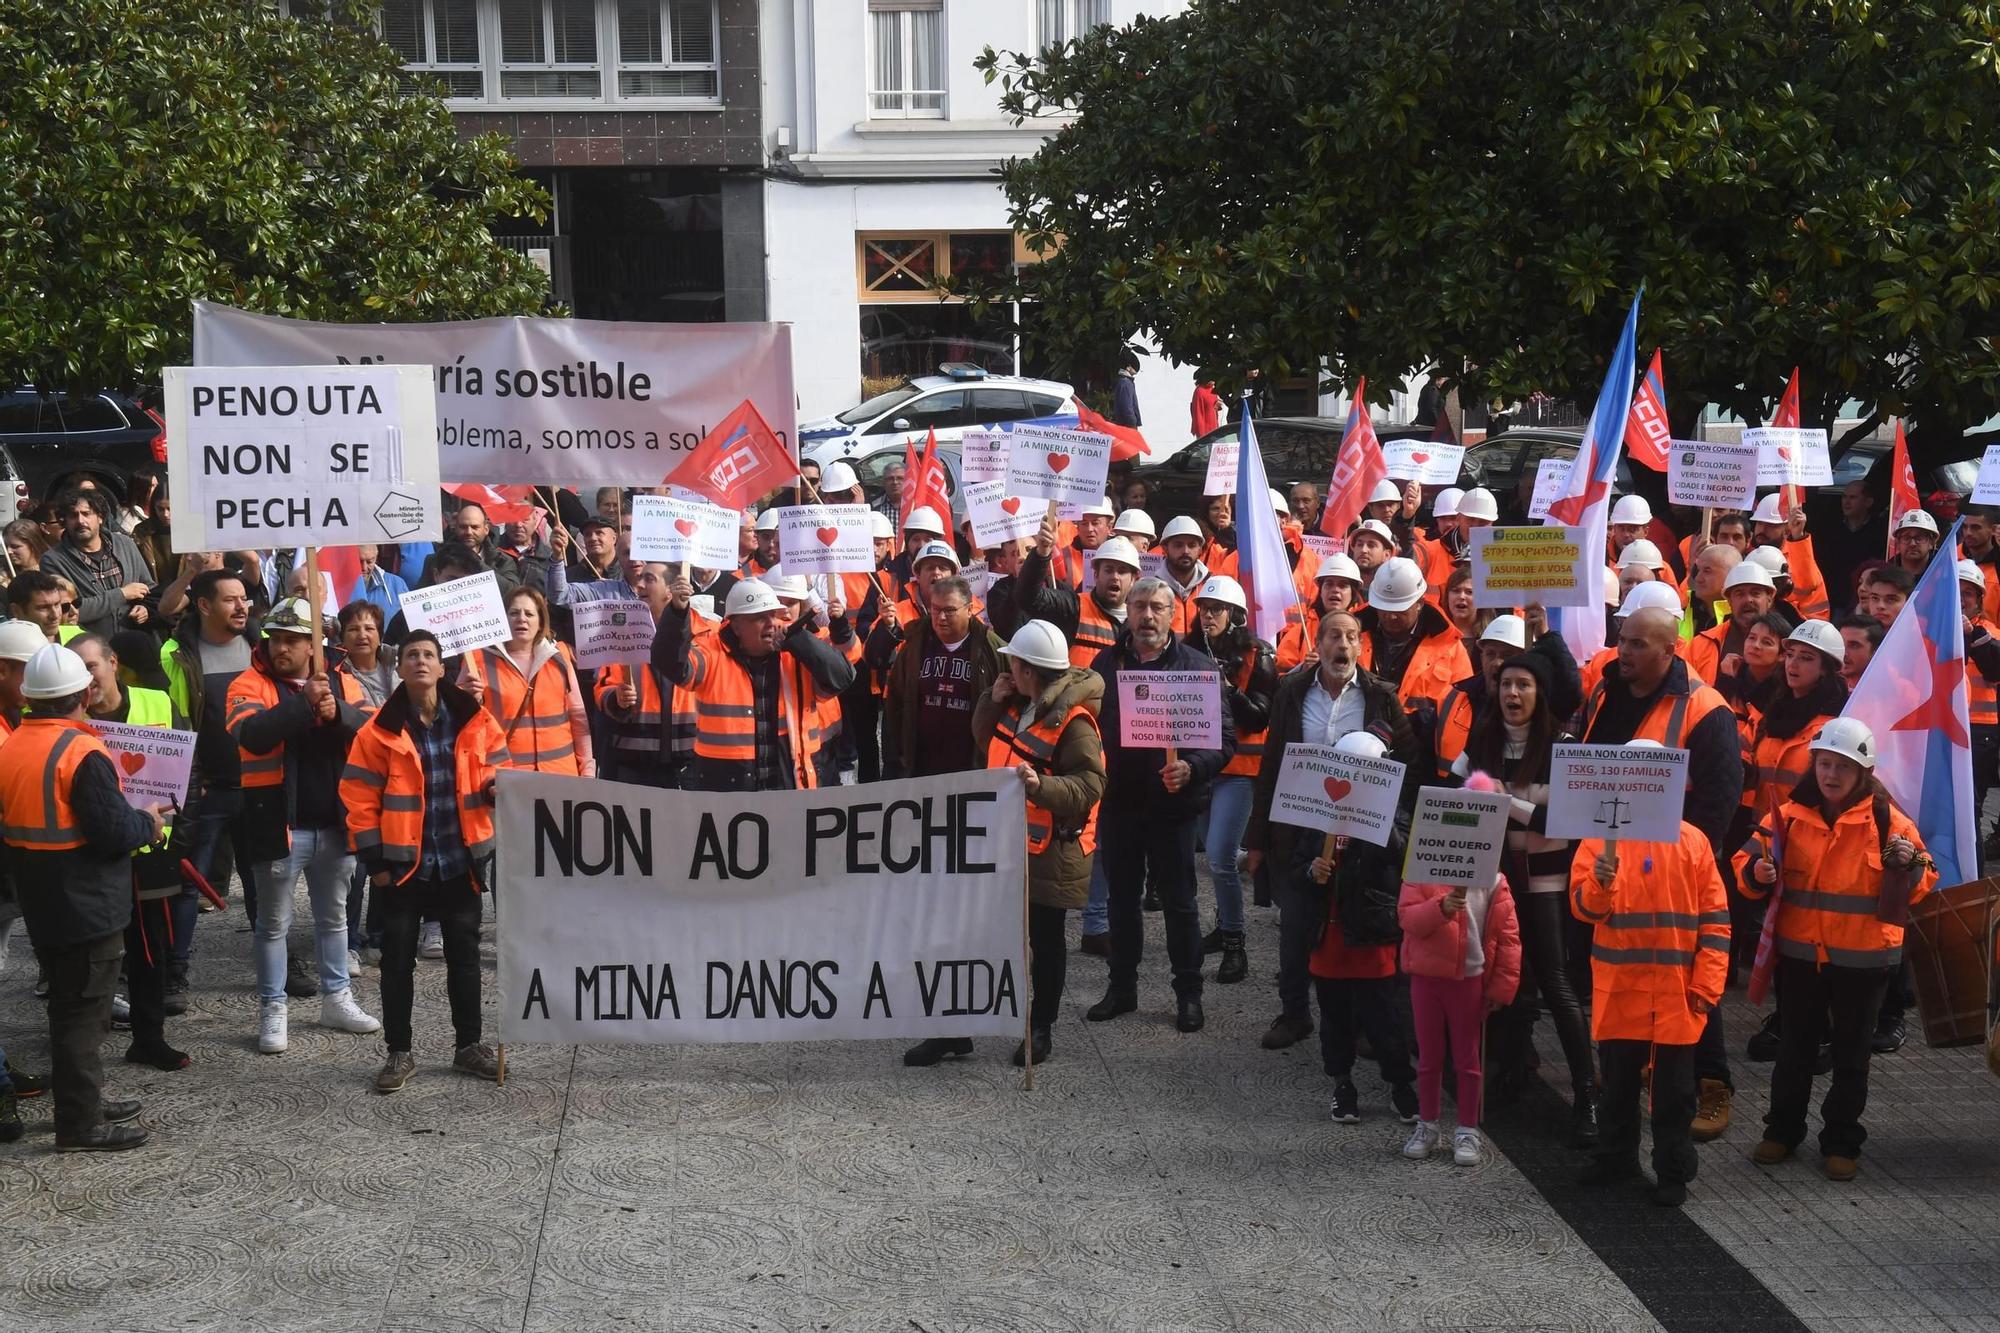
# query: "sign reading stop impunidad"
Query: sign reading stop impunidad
301,456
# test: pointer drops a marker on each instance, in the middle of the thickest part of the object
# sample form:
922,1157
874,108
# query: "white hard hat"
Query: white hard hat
1040,644
788,587
1375,528
1118,551
54,672
1278,504
1641,553
1654,596
20,640
1445,503
924,519
1644,743
1362,745
934,551
879,526
1398,586
703,605
1920,520
1478,503
1849,738
292,616
1222,588
767,521
1135,520
838,477
1821,635
1968,572
1340,565
1769,510
1509,629
750,597
1632,509
1385,490
1772,559
1749,575
1101,508
1180,525
1610,586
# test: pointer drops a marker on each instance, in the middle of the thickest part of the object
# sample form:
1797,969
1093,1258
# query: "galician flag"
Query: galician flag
1263,564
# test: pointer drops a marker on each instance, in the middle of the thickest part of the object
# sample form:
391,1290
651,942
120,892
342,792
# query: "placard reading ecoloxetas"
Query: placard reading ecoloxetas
153,762
527,399
1067,466
676,528
465,613
1712,474
1456,837
301,456
1322,789
634,915
982,456
1552,566
825,539
611,631
1616,791
1157,709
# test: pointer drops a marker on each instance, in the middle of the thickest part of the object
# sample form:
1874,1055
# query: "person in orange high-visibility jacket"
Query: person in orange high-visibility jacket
634,700
1406,640
1249,679
1847,867
426,861
1771,526
1658,959
802,602
529,685
1982,681
1336,587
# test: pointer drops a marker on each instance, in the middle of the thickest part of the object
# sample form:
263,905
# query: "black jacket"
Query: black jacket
1367,881
1037,596
1249,709
1381,712
315,754
1132,776
1714,746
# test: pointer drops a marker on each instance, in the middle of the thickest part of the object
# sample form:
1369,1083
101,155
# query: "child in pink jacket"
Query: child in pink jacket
1462,952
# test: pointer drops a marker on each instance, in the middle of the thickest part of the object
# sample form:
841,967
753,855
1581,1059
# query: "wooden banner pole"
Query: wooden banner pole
315,600
1027,982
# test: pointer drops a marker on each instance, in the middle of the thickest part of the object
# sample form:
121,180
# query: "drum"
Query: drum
1950,945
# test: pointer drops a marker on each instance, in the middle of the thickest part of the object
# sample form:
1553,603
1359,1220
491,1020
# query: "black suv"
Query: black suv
44,435
1295,449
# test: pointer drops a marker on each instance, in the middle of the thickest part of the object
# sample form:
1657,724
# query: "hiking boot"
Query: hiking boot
1467,1147
1287,1030
1346,1109
430,940
272,1020
477,1060
301,980
1403,1097
395,1072
1098,944
338,1010
1841,1168
1770,1152
934,1049
11,1128
1712,1116
1043,1049
1235,962
1189,1017
1114,1003
103,1138
1583,1127
1423,1141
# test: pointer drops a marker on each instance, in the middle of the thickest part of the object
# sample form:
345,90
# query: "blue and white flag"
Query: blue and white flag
1263,564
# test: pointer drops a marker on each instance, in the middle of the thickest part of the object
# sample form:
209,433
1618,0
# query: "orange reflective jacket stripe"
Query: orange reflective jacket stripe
37,764
1454,726
382,788
1037,746
1661,937
251,693
1095,631
1249,756
725,711
533,715
638,730
1832,881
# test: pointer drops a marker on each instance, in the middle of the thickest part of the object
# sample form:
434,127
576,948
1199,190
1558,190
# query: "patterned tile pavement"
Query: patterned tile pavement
1150,1182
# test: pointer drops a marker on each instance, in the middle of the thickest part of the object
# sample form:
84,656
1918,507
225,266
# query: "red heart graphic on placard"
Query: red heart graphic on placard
1057,462
827,536
131,762
1336,788
684,526
1012,506
1420,458
1785,452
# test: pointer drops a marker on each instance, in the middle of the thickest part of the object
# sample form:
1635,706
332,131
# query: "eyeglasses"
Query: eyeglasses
66,606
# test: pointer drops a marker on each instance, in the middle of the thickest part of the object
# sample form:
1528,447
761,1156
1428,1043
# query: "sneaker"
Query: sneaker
157,1054
338,1010
272,1038
1423,1141
301,978
1467,1148
1346,1104
1712,1117
478,1060
395,1072
370,956
354,963
121,1012
1889,1037
430,941
1404,1098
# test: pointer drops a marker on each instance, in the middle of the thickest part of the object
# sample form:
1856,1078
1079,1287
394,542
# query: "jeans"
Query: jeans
1352,1005
454,905
1097,912
1673,1106
1450,1011
364,911
213,817
1302,907
1228,815
1048,963
1806,995
1711,1053
82,979
1130,843
322,855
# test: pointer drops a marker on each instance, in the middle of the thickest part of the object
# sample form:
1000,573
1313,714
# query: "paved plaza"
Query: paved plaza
1150,1182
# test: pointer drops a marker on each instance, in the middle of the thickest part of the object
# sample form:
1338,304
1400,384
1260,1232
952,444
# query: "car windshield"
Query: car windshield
876,406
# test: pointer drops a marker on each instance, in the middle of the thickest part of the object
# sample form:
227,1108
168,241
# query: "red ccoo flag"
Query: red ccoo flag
503,504
924,484
1787,416
739,461
1355,471
1127,442
1646,432
1903,493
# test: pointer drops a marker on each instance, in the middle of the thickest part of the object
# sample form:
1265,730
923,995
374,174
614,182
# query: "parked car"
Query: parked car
1863,456
49,434
1295,449
961,397
1506,464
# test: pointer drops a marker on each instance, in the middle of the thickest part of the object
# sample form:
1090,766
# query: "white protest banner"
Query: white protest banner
1790,456
1986,490
1712,474
153,762
1456,837
1223,454
1322,545
676,528
1615,791
982,456
978,576
999,517
1152,564
634,915
611,631
527,399
826,539
301,456
1322,789
465,613
1552,566
1067,466
1551,480
1426,462
1158,709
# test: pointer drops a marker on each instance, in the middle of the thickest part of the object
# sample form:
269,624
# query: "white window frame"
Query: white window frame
551,65
667,64
1076,17
906,95
427,10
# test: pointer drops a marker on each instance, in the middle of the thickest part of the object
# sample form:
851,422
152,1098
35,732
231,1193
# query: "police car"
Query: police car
961,397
